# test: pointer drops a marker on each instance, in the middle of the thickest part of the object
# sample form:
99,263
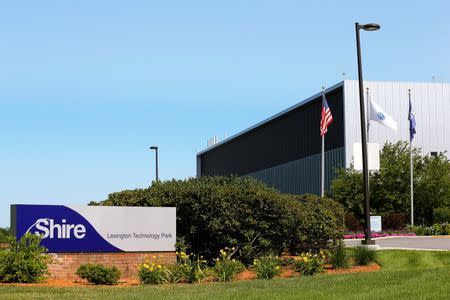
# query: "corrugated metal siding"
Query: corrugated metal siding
290,136
431,103
303,175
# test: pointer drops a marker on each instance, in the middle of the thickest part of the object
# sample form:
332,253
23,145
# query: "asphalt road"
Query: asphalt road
416,242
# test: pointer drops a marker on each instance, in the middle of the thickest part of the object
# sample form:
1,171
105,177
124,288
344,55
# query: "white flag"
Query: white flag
378,114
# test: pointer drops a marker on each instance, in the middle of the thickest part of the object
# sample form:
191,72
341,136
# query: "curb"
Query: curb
402,236
413,249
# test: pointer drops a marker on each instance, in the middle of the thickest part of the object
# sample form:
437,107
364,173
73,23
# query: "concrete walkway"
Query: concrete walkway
441,243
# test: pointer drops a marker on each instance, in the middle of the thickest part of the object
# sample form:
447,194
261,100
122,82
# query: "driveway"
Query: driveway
411,242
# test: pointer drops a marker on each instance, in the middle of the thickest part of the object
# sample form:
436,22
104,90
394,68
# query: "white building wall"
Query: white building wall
431,104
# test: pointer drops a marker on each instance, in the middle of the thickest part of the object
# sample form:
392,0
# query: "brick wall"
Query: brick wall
64,265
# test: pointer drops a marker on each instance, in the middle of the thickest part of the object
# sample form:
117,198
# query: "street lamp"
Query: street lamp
156,159
367,27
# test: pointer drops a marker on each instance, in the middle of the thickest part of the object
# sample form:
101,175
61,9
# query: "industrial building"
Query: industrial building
284,150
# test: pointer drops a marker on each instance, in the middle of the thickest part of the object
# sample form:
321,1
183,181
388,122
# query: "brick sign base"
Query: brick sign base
64,265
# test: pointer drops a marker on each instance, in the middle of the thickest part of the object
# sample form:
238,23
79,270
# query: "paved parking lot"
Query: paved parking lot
414,242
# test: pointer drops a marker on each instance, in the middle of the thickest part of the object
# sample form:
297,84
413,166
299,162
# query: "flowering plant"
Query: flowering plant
225,267
309,263
150,272
190,268
267,267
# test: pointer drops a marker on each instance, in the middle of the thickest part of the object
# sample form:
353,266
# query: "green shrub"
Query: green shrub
431,230
5,235
418,230
25,261
364,255
189,268
225,267
445,229
442,214
99,274
339,257
2,255
436,229
267,267
214,212
308,264
317,223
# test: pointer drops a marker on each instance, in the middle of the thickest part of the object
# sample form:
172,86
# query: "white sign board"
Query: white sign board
97,228
375,223
373,153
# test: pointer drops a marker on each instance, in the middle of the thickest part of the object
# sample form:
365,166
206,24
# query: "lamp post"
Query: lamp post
367,27
156,160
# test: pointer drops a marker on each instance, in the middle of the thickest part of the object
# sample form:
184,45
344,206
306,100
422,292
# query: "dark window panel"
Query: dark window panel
289,137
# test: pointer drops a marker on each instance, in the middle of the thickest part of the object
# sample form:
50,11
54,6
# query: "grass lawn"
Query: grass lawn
405,275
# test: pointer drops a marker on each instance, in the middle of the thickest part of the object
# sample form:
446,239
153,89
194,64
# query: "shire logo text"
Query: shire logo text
47,228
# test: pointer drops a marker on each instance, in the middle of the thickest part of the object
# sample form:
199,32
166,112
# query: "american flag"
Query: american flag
326,118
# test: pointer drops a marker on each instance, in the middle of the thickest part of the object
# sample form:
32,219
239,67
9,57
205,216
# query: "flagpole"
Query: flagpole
322,172
411,169
368,114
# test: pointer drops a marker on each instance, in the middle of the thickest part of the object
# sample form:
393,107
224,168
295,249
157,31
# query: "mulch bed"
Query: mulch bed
287,272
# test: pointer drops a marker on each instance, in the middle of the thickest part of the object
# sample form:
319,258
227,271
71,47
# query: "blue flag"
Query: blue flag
412,122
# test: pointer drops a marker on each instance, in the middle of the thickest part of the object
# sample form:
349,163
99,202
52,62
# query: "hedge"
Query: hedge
214,212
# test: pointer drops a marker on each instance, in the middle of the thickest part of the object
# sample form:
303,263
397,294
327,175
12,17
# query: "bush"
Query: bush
351,222
317,224
308,264
214,212
393,220
267,267
190,268
5,235
99,274
364,255
445,229
436,229
226,268
25,261
418,230
339,257
442,214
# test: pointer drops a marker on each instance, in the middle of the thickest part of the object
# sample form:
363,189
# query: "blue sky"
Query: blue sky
87,86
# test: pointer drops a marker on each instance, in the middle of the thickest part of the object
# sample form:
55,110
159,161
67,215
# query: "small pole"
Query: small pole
157,178
411,169
322,172
156,161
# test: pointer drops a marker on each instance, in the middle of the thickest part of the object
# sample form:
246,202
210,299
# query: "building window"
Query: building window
433,154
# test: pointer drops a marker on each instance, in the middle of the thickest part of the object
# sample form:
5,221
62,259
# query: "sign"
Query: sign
373,156
375,223
97,228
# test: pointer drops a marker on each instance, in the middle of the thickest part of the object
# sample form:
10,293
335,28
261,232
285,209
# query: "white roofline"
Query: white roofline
337,85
